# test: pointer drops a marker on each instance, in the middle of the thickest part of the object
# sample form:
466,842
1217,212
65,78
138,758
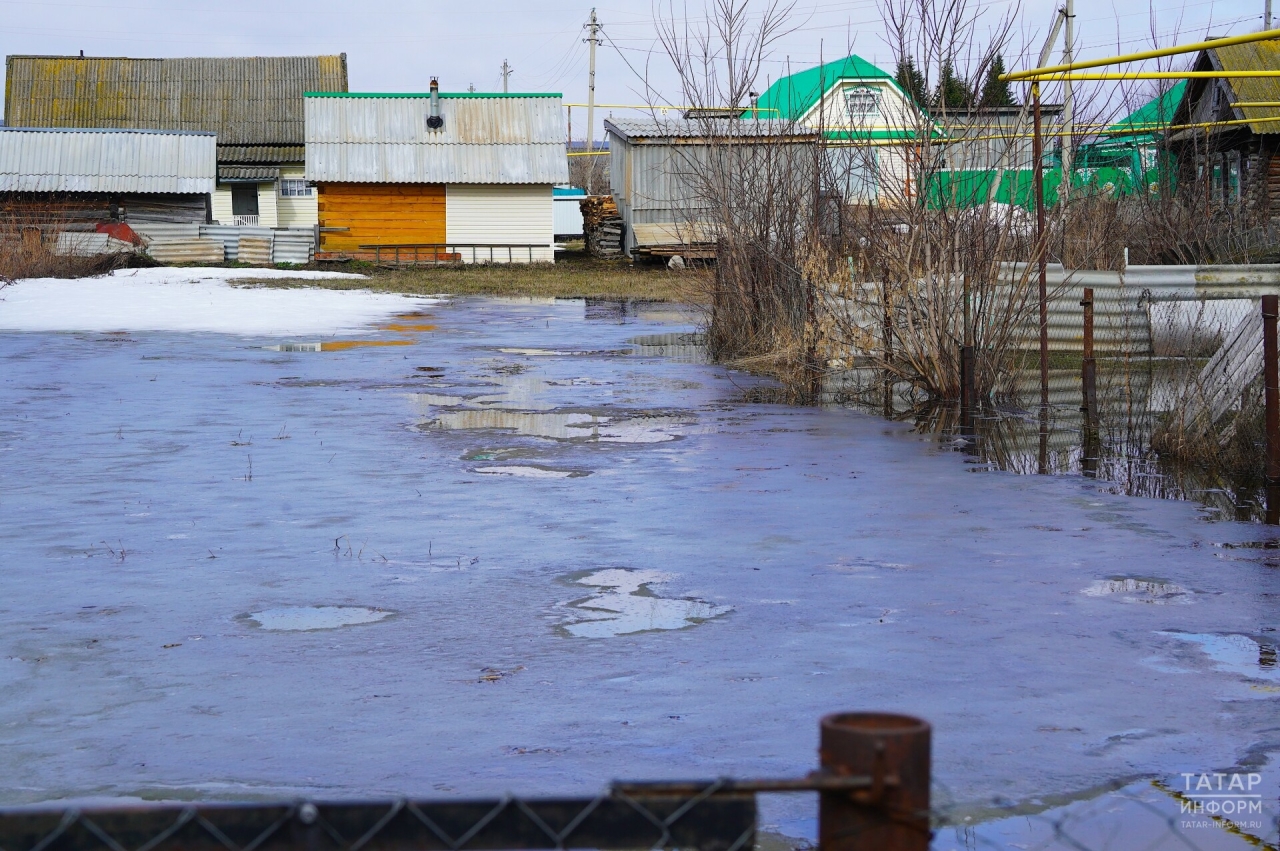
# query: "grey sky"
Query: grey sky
397,46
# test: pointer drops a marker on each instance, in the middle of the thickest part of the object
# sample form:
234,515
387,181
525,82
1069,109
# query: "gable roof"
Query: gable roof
385,139
244,100
1151,118
794,95
1255,56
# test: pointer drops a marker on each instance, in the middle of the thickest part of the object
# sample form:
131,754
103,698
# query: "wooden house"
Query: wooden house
253,104
1233,166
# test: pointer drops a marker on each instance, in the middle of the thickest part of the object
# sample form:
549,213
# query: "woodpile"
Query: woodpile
601,225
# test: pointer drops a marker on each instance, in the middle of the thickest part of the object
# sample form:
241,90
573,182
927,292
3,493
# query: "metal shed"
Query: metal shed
68,175
656,168
476,185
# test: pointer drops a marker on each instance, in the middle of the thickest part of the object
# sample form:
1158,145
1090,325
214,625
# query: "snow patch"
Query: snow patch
195,300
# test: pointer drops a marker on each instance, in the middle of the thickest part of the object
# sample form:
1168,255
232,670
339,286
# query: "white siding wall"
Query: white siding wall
895,112
222,204
267,195
500,214
296,212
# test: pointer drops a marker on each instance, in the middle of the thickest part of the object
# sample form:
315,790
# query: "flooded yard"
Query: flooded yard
470,546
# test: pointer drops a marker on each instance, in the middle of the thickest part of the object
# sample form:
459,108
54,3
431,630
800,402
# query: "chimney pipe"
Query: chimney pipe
434,121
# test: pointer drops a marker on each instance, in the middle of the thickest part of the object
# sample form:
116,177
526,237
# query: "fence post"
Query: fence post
1089,366
891,815
1270,309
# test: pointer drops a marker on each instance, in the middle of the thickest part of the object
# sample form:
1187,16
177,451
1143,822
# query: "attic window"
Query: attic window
1217,95
862,101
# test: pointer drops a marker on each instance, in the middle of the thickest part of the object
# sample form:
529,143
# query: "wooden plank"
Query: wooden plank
380,213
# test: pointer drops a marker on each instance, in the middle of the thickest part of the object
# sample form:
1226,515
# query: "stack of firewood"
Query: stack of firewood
602,225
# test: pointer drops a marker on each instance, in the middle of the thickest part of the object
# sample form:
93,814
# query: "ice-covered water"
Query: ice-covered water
155,486
303,618
626,603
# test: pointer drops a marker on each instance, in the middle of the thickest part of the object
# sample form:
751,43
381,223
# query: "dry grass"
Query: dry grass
574,275
25,254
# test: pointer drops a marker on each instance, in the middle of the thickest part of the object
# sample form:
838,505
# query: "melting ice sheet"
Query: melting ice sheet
301,618
1137,589
625,603
1238,654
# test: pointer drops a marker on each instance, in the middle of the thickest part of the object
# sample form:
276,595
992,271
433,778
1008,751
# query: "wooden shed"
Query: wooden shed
436,177
254,105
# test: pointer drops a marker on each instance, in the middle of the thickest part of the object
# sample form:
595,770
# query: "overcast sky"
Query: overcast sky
398,46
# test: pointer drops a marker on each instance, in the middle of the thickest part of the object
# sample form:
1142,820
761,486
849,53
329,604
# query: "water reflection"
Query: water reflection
1011,434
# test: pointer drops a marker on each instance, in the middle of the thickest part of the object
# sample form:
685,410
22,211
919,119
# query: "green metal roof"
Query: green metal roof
1151,118
794,95
428,94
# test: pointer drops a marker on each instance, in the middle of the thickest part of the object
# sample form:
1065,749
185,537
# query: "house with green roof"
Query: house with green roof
1128,156
868,119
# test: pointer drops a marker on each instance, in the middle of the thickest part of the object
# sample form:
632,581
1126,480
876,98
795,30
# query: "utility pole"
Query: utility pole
506,73
593,30
1266,17
1068,56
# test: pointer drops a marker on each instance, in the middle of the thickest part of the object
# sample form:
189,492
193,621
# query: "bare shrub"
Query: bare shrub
28,250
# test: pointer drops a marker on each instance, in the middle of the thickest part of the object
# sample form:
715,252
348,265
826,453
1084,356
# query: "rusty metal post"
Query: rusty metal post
967,389
1042,249
1089,366
1089,391
1271,377
893,813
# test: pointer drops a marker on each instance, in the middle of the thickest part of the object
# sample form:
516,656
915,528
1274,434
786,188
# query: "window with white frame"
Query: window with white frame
294,188
862,101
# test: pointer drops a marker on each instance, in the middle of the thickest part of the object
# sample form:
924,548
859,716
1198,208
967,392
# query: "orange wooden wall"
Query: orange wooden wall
381,214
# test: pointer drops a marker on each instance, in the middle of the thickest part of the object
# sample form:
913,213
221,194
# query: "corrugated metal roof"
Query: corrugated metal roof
637,130
246,100
247,173
112,161
483,140
261,153
1256,56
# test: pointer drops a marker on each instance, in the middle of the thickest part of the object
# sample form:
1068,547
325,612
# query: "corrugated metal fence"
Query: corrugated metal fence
259,246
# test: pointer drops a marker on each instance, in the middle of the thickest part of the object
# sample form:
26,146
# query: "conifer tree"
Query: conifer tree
994,91
952,92
911,80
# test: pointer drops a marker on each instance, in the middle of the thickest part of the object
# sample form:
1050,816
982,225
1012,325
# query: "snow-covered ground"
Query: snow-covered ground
373,570
193,300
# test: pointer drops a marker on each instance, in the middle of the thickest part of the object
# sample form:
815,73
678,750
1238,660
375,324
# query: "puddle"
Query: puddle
336,345
562,352
408,326
625,603
1237,654
559,425
303,618
680,348
1139,589
531,472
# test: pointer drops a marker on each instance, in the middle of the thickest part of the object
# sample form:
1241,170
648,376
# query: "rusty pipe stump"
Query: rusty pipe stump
892,814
